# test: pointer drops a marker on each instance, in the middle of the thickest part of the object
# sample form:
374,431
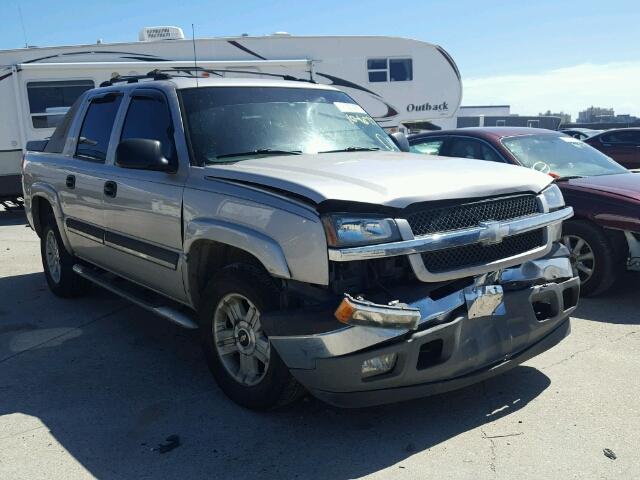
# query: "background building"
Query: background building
564,117
604,115
501,116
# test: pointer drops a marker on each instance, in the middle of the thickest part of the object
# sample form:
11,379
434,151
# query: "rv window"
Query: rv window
377,64
96,128
59,137
148,117
400,69
390,69
378,76
378,68
49,101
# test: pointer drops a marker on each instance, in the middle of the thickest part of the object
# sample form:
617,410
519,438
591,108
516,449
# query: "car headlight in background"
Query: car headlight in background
553,197
345,230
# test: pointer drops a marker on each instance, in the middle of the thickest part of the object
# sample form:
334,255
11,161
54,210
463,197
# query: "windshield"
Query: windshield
565,156
229,124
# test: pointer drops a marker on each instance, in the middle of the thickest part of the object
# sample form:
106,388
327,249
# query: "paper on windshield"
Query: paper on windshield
349,107
570,139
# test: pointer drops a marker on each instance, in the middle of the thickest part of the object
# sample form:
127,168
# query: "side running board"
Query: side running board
135,294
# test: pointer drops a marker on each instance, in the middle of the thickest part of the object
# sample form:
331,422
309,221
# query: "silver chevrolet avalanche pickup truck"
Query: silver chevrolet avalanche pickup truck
311,252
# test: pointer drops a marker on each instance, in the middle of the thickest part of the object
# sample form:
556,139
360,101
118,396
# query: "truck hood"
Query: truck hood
393,179
623,184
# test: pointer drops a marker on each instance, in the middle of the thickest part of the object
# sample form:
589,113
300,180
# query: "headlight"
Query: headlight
553,197
345,230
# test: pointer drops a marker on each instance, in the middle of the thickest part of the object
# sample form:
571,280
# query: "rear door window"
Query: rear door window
471,148
629,137
428,146
149,117
96,128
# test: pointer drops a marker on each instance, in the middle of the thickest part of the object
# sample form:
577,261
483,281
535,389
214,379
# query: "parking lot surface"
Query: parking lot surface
96,387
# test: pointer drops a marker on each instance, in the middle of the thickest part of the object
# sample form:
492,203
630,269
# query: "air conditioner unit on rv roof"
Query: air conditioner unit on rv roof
150,34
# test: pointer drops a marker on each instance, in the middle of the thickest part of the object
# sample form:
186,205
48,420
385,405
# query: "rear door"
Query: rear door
622,145
143,208
82,176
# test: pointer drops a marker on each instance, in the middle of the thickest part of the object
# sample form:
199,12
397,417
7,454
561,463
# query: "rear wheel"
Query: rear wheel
58,263
238,350
593,257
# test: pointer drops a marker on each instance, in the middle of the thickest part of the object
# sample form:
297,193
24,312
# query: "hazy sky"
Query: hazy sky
535,55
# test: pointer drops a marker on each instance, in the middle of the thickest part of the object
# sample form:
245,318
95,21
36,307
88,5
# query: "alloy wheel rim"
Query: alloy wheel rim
242,346
581,256
52,253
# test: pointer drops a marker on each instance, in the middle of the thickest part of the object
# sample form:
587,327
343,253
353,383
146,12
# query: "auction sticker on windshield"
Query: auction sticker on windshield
349,107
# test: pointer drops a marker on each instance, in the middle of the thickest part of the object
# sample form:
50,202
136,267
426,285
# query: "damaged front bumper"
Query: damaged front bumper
500,321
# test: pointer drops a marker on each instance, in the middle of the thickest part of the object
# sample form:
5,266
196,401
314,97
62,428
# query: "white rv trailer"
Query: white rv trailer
396,80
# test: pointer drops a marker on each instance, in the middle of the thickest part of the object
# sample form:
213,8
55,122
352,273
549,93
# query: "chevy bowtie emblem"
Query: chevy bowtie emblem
492,232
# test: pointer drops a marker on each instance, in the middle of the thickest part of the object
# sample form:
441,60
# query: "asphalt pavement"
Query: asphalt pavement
96,387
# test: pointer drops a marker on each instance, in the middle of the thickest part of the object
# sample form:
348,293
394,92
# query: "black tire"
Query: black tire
606,261
66,283
277,387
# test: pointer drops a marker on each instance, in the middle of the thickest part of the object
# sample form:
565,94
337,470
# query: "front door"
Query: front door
143,209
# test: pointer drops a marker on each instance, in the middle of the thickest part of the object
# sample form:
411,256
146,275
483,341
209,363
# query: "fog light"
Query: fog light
378,365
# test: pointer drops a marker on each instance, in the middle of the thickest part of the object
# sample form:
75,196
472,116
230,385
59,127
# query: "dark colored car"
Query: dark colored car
604,234
581,133
621,144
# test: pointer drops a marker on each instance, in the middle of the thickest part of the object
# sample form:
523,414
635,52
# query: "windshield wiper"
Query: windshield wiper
568,177
353,149
261,151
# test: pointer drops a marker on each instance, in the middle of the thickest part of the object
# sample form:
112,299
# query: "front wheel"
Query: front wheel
592,256
238,350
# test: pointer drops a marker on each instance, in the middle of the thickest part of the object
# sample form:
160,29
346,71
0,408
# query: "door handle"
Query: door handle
71,181
110,189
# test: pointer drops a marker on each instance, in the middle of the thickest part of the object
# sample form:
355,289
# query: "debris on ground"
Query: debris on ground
609,453
503,436
172,441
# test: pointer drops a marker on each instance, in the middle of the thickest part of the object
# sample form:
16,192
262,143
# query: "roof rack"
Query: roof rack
152,75
220,71
167,74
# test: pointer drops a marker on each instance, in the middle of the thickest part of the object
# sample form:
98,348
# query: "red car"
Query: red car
604,234
621,144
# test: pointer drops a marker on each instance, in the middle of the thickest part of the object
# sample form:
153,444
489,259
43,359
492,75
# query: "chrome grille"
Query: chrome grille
479,254
456,217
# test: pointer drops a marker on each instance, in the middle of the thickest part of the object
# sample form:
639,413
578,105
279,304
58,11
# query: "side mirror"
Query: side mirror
400,140
37,145
142,154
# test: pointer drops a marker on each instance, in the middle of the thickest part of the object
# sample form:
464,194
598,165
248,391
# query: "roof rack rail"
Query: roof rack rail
152,75
220,71
166,74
